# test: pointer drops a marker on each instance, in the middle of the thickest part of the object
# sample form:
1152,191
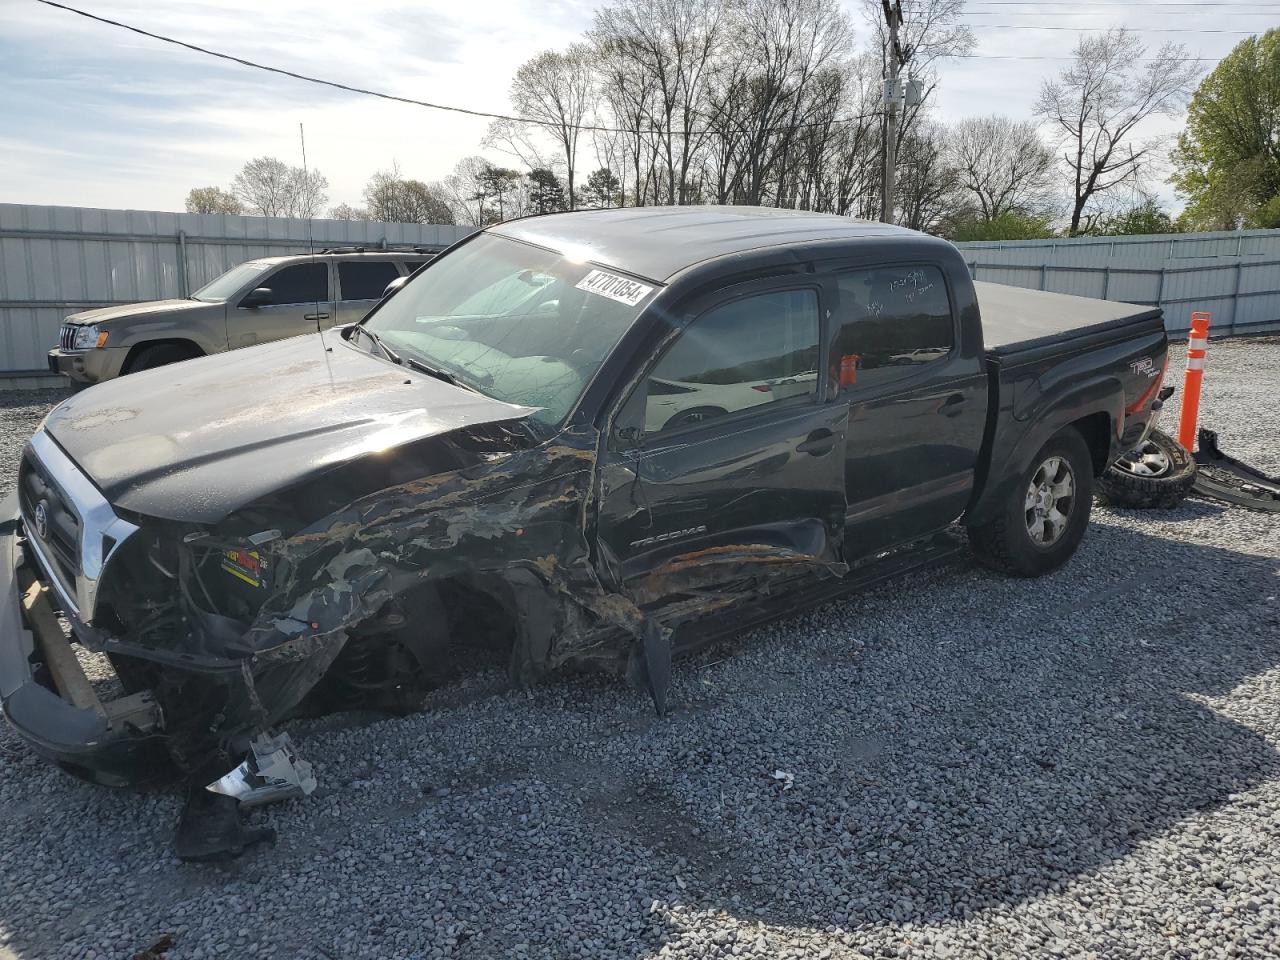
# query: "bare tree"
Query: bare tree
212,200
390,198
344,211
1097,106
270,187
928,183
1002,165
554,89
675,44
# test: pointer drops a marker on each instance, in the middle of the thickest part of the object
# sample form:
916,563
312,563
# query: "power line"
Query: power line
484,114
1043,26
1161,13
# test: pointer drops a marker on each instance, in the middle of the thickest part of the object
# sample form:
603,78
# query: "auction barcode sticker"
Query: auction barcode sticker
614,287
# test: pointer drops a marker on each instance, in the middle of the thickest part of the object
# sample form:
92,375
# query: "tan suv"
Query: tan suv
256,302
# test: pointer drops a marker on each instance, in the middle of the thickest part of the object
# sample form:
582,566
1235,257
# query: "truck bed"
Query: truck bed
1015,319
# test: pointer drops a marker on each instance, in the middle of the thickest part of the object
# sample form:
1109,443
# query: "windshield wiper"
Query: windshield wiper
377,342
439,374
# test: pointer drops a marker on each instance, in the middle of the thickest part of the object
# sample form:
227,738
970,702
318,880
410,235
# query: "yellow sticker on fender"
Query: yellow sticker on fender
614,287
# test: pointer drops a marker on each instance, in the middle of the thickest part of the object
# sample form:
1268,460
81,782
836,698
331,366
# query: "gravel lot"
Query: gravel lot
1084,765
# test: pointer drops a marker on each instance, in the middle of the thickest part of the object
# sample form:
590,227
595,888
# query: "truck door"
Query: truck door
724,463
300,303
917,403
360,286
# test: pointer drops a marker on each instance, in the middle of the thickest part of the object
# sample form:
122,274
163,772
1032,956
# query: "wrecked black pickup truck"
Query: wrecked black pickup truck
586,438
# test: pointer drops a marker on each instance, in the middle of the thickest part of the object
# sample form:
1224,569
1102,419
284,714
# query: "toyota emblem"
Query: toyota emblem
42,519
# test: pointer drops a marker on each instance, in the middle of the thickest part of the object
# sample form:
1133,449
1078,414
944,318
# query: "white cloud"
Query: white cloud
101,117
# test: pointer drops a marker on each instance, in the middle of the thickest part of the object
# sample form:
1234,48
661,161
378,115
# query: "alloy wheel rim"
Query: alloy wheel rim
1147,461
1049,501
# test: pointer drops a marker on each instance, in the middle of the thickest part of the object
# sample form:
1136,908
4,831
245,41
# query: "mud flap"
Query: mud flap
1224,478
657,662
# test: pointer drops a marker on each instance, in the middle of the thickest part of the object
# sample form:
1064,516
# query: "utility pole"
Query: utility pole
892,101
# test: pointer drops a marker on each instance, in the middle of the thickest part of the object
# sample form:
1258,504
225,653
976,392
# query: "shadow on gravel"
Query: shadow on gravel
955,744
947,771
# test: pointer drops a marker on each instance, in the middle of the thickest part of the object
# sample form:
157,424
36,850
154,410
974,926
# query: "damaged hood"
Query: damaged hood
196,440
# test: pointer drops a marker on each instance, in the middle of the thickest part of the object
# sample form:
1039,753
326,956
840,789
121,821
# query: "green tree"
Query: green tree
603,189
1144,218
1228,159
493,187
212,200
546,192
1008,226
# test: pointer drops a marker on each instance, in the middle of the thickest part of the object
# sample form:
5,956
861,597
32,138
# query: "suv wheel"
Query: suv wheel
161,355
1045,516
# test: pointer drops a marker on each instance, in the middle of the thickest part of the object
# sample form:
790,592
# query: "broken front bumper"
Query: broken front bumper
46,695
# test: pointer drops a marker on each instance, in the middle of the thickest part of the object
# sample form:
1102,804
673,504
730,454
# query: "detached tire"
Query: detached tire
160,355
1156,475
1044,519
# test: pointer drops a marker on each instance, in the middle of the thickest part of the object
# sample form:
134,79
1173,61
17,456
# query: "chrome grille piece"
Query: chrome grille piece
69,525
67,337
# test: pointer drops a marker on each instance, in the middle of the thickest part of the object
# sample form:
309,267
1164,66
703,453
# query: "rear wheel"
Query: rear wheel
161,355
1044,519
1159,473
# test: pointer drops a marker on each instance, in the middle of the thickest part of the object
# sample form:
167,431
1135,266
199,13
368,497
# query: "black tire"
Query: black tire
1026,540
161,355
1157,475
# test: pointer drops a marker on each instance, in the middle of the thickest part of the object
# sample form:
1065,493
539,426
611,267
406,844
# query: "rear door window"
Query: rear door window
889,322
365,279
747,353
300,283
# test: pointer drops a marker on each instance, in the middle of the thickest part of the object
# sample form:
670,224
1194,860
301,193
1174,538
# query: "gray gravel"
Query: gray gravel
1084,765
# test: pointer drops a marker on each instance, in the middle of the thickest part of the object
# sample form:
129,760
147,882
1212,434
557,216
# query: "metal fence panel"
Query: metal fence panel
1234,275
60,260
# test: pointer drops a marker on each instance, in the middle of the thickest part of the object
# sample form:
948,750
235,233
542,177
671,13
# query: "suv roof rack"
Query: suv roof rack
385,248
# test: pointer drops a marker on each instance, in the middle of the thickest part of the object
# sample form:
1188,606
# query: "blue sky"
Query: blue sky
94,116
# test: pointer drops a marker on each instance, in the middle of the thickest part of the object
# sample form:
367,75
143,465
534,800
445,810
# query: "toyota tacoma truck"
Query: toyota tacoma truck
593,438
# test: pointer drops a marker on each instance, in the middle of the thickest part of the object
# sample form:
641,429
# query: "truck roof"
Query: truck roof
659,242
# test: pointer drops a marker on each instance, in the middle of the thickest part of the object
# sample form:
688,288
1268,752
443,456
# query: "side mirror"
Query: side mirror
258,297
393,286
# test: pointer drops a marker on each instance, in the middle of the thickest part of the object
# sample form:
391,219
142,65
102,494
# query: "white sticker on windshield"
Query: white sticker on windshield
614,287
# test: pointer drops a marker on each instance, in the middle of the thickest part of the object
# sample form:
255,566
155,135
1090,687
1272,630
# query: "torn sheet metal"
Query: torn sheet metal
271,772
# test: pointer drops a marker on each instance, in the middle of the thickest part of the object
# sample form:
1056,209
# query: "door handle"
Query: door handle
818,443
954,405
315,316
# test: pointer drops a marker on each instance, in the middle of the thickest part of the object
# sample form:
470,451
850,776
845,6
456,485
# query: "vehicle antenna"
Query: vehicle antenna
311,242
311,252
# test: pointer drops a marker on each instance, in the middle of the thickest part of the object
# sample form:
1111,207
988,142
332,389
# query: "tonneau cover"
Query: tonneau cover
1015,318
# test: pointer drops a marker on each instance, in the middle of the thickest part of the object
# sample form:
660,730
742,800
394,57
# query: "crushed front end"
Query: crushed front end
165,605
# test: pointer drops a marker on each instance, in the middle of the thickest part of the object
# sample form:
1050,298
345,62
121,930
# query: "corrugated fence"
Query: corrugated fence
1234,275
57,260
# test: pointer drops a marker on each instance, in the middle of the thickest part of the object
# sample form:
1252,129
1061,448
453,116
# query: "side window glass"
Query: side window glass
747,353
365,279
889,322
301,283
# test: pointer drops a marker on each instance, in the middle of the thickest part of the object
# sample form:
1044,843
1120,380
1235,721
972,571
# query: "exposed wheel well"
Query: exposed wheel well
1096,430
138,348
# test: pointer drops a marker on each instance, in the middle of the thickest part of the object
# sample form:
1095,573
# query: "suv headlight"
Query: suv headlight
89,337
